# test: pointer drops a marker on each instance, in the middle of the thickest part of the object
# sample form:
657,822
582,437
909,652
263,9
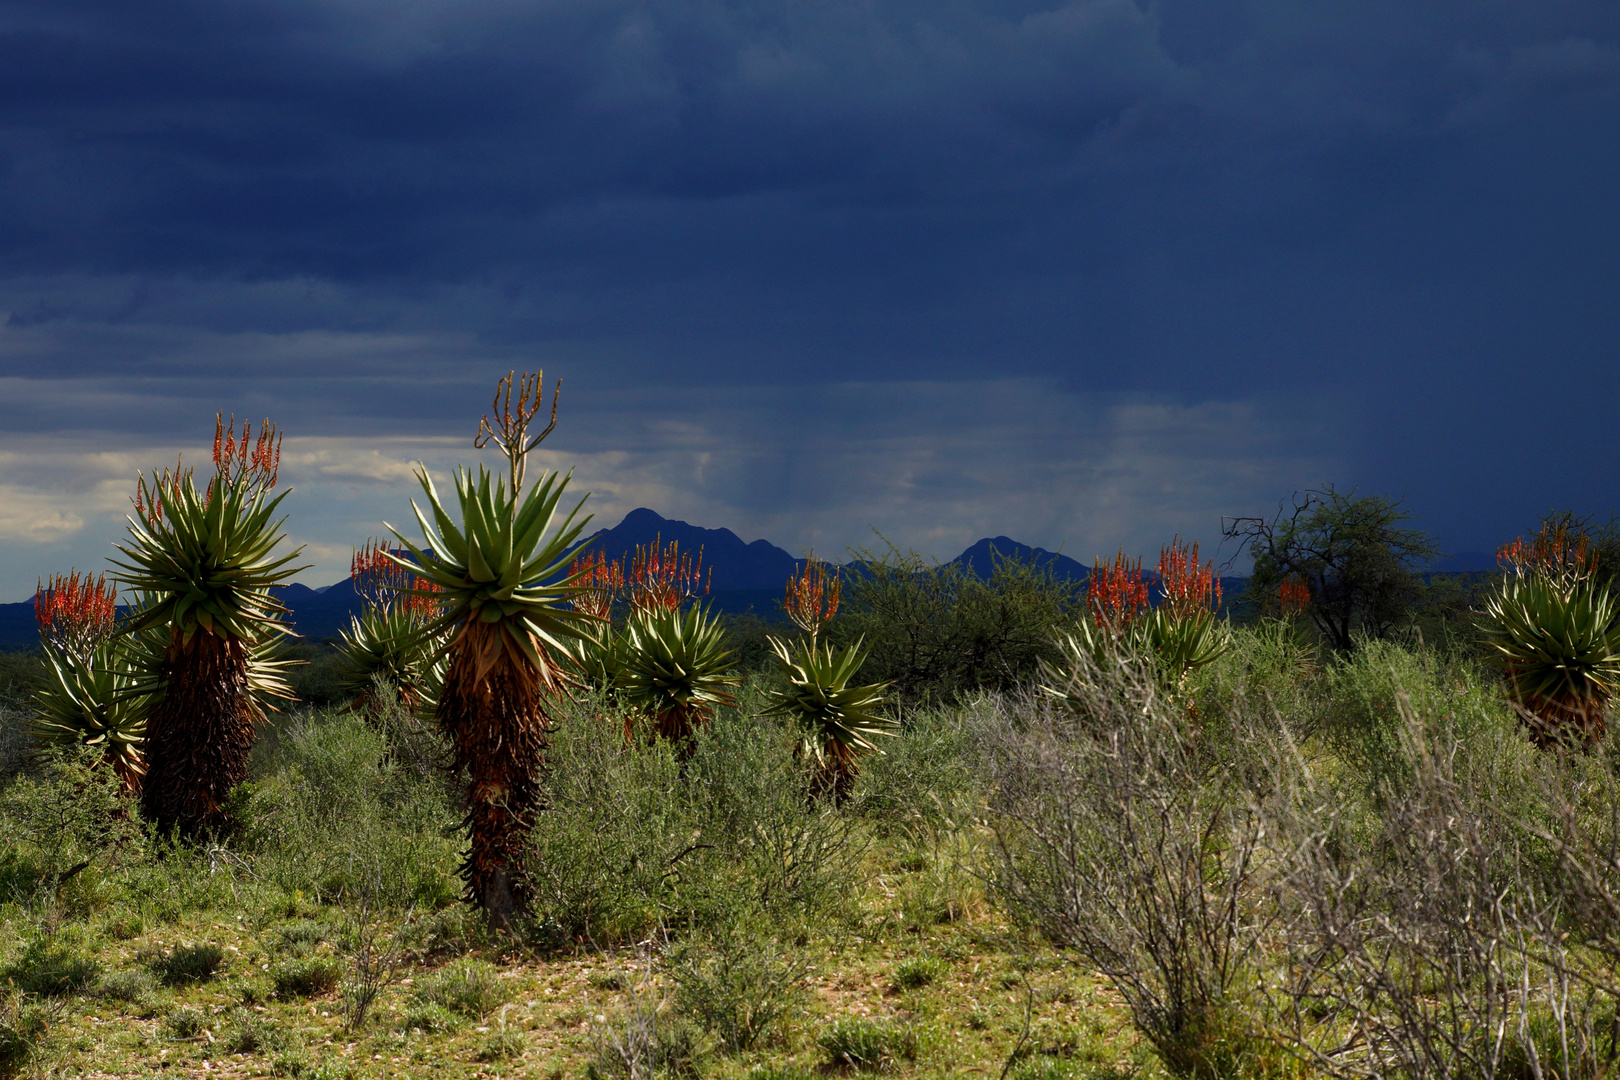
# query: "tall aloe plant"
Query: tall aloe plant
204,561
499,569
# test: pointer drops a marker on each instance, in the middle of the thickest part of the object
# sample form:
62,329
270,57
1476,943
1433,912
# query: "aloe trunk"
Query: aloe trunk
199,734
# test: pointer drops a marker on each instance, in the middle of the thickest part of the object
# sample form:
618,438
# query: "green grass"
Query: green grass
698,888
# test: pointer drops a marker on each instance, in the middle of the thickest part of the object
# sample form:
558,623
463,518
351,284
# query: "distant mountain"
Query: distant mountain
736,565
18,631
981,558
747,577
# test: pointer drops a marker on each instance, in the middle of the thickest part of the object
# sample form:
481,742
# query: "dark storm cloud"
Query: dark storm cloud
1399,217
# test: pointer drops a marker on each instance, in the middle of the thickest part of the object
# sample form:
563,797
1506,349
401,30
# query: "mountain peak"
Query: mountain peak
735,564
981,558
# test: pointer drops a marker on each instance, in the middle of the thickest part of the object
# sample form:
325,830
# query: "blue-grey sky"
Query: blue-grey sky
1085,273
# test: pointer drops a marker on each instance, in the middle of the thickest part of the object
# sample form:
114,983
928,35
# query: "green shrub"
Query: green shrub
306,976
599,860
184,1023
471,988
856,1042
330,810
128,985
918,972
925,780
300,936
941,631
49,968
58,821
736,983
782,1072
767,842
25,1021
428,1017
189,964
253,1033
632,839
501,1045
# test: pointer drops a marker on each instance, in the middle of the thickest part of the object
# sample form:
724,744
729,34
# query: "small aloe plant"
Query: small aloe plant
389,639
672,663
1179,634
837,720
1555,631
91,692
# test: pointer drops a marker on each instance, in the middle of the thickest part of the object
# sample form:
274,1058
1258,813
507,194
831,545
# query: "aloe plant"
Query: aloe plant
388,640
498,568
675,669
837,722
94,700
205,560
1556,634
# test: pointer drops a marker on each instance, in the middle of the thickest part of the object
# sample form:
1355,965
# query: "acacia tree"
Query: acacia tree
501,576
1351,552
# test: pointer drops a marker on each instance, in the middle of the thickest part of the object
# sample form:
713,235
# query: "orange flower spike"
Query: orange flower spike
1116,593
1293,596
75,613
812,596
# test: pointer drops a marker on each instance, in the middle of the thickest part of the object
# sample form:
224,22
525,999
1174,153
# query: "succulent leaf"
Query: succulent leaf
835,720
208,561
674,666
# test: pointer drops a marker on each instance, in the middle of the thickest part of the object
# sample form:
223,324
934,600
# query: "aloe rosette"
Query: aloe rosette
837,722
1557,638
204,562
389,643
94,700
673,667
500,575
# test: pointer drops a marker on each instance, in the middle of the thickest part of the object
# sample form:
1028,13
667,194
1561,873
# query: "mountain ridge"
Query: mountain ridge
744,576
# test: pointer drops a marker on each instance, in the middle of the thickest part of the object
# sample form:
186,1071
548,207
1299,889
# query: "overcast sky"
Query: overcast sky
1082,273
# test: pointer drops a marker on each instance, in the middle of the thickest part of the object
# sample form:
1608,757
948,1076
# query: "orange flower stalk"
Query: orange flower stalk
509,431
1293,596
661,578
1116,594
386,584
599,581
812,596
257,461
1552,552
1187,587
75,614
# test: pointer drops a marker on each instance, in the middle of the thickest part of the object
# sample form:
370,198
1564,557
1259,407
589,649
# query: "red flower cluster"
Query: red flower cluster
663,578
75,614
256,460
1293,596
599,581
1552,551
812,596
1187,587
1117,593
385,583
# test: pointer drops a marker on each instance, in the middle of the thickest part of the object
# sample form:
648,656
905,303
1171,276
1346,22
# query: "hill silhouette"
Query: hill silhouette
746,576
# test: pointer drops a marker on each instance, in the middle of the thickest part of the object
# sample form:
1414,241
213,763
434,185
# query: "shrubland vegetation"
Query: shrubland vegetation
547,826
